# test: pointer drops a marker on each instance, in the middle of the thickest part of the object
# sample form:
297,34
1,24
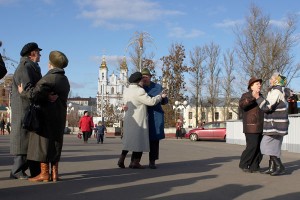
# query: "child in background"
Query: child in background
100,129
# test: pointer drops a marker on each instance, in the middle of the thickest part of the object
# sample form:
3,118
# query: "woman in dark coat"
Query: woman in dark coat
253,119
46,145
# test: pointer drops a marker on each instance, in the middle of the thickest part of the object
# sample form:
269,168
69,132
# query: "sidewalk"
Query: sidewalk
186,170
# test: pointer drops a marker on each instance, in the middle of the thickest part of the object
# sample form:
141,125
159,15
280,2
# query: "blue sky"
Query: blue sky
87,29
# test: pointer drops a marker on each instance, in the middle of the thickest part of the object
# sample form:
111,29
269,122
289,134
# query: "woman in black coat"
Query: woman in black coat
253,119
45,146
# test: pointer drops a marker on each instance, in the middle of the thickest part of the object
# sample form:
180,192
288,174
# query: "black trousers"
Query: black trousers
100,138
21,164
251,156
85,135
154,150
134,155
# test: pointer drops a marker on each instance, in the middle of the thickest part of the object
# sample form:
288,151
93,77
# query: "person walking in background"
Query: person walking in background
155,117
253,119
86,126
136,128
8,127
45,146
178,126
2,127
276,122
28,73
100,129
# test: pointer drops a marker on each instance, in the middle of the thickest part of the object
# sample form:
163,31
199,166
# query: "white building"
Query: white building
110,87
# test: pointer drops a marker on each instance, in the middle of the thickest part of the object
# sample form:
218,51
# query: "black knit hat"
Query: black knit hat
29,47
135,77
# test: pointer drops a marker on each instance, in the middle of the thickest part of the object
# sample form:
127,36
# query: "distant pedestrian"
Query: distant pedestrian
8,127
2,126
86,126
276,121
253,119
100,130
178,128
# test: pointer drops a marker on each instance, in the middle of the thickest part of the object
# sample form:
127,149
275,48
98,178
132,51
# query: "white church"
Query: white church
111,87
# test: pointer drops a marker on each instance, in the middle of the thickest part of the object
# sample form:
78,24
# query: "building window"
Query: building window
230,115
112,90
102,76
216,115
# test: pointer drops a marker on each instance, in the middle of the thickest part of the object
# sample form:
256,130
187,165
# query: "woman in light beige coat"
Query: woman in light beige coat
136,131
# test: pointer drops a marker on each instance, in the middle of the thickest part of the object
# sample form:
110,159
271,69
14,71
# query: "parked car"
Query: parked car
209,131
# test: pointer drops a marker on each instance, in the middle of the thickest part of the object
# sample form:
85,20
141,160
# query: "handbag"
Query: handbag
79,135
31,121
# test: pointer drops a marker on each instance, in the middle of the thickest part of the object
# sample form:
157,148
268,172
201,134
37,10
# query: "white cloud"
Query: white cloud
279,23
179,32
226,23
122,13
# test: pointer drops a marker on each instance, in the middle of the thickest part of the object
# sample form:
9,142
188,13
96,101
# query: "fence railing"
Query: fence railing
291,142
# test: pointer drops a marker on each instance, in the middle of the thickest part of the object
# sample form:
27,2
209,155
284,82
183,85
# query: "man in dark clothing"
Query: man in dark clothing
155,117
28,73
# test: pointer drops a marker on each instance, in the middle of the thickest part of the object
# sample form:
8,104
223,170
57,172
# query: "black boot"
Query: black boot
121,161
271,168
279,168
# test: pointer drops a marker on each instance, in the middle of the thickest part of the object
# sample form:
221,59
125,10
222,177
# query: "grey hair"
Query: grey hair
275,74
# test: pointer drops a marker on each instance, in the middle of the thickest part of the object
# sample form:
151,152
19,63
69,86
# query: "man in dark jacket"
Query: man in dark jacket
253,119
155,117
28,73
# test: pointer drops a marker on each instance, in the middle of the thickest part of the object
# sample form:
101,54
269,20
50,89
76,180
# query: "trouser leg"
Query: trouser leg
251,156
154,150
101,138
20,165
34,167
85,136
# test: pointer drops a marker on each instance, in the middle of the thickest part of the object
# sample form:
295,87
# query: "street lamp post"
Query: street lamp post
179,107
70,108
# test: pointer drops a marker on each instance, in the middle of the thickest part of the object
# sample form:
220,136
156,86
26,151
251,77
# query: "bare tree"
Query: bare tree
198,71
173,74
138,43
213,52
227,83
262,49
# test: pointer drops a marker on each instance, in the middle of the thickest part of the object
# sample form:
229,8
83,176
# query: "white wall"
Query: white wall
291,142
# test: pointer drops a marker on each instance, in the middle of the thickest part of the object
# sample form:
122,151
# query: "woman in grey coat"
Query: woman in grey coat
275,122
45,146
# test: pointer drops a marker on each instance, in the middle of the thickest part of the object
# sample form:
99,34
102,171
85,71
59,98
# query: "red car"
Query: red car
209,131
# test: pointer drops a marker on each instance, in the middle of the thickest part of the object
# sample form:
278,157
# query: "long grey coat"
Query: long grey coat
136,129
46,145
28,73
